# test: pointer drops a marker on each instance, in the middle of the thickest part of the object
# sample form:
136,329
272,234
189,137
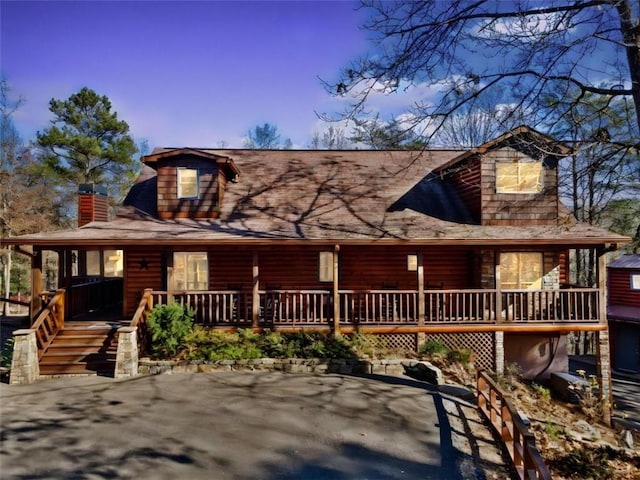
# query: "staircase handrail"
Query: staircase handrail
139,319
49,322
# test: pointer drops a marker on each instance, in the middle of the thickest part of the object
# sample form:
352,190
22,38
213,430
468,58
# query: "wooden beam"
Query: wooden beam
336,293
432,329
36,284
255,306
420,278
497,279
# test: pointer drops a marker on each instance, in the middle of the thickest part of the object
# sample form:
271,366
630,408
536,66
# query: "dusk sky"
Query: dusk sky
182,73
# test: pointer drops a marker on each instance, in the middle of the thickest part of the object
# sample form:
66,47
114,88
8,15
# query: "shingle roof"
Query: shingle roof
628,260
324,197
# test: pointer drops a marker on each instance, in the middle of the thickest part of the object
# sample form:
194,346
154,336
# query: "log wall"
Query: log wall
620,292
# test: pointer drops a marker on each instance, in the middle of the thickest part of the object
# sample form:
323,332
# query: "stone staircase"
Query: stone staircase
82,348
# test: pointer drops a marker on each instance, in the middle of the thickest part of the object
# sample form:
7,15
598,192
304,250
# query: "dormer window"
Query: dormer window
519,176
188,183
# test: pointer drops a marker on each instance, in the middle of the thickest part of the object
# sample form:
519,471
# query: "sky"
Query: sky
187,73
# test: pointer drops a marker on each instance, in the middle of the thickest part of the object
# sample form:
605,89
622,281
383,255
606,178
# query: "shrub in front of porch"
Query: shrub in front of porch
169,325
212,345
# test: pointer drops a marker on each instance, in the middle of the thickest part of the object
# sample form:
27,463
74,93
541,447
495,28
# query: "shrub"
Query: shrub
460,355
582,463
169,325
434,348
543,393
7,353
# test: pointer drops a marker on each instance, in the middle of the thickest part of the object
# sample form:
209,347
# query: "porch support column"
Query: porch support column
336,293
68,281
498,352
603,371
420,278
601,275
36,284
496,258
421,337
255,304
603,353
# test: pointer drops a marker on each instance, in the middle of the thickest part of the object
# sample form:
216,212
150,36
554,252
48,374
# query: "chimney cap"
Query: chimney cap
92,188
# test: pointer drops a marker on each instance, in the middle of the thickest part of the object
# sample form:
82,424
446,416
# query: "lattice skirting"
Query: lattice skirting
395,341
481,344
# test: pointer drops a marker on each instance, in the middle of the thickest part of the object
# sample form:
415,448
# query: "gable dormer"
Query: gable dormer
512,180
190,182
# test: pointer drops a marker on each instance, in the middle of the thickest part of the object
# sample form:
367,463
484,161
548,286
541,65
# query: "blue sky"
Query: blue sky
182,73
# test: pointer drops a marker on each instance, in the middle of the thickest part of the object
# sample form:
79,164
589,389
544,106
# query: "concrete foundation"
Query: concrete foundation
537,355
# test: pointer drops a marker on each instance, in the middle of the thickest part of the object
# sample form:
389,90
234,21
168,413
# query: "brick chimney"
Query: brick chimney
93,204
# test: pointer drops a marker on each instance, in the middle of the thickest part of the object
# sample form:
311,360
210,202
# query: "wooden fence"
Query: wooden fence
507,423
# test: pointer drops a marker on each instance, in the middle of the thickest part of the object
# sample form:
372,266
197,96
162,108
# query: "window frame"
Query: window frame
179,183
184,273
634,281
515,188
521,266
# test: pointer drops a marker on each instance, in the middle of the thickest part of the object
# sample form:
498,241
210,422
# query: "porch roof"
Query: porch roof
322,197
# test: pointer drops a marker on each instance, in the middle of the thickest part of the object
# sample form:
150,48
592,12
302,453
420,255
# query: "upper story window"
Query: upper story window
188,183
519,176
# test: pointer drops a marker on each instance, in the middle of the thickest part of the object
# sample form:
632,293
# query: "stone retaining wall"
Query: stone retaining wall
293,365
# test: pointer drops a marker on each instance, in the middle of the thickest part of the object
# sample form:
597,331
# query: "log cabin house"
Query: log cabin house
468,247
624,312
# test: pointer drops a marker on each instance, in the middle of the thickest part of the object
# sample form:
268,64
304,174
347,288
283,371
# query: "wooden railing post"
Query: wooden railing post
61,307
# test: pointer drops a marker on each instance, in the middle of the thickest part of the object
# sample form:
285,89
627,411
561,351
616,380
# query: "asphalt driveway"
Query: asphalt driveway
250,425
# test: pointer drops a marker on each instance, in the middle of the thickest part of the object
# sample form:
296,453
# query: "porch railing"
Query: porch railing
234,308
378,306
572,305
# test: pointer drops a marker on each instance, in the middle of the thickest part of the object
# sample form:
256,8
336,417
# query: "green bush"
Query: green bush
460,355
208,344
7,353
168,327
434,348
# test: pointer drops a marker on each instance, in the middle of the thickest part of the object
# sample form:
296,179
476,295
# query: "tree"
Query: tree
602,176
379,135
333,138
463,48
87,143
266,137
25,205
479,121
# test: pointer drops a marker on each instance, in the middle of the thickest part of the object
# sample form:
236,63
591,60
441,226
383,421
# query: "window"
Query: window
412,263
112,260
635,281
325,270
521,270
519,176
190,271
113,263
188,183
